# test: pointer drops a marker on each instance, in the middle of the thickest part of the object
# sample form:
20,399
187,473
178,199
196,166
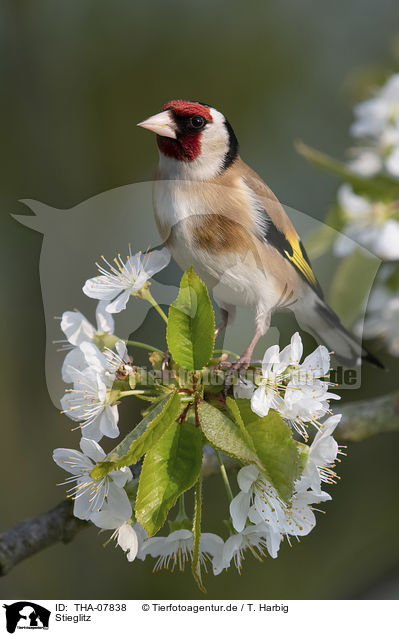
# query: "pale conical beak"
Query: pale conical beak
162,124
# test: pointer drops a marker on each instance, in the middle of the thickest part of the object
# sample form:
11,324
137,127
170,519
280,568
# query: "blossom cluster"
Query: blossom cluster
376,126
370,218
291,388
369,222
95,358
259,516
259,519
98,368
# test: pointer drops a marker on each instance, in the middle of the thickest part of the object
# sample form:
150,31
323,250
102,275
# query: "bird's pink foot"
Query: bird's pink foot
240,365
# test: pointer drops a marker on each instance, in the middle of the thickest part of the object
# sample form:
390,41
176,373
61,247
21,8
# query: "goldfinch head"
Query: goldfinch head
193,138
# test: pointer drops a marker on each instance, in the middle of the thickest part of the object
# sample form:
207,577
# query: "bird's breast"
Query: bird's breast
214,216
206,226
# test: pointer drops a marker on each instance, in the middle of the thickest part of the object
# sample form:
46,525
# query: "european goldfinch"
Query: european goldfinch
215,213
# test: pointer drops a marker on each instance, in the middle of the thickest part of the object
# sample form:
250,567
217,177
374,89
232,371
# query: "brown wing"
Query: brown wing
276,228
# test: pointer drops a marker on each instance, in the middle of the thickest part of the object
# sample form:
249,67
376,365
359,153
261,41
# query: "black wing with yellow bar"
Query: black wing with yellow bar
291,247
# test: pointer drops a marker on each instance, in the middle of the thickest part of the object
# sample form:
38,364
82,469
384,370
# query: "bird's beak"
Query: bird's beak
163,124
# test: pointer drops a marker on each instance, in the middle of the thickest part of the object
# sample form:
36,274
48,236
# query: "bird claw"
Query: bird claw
241,365
166,360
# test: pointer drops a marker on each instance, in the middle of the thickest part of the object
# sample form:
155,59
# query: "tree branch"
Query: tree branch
369,417
359,420
32,535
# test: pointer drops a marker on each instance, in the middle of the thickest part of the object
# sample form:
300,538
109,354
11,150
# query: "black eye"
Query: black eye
197,122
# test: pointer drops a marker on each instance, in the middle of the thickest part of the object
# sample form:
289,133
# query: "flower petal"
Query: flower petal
108,421
239,508
92,449
76,327
386,244
106,520
71,460
128,541
230,549
317,363
271,356
93,356
155,546
155,261
91,430
100,287
118,501
121,476
74,359
247,476
119,304
296,349
105,321
83,506
261,401
121,350
210,543
353,204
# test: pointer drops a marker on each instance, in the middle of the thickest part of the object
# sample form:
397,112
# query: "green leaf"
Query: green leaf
303,450
170,467
142,437
191,324
277,450
351,285
379,188
225,434
235,411
246,412
196,563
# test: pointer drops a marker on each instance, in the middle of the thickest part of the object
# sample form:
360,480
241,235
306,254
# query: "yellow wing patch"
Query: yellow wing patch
299,259
290,247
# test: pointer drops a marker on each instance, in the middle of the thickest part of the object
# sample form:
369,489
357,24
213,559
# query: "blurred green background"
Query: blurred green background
76,77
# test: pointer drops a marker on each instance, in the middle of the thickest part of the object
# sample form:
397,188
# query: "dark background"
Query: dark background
75,79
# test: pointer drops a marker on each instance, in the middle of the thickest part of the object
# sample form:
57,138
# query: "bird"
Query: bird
216,214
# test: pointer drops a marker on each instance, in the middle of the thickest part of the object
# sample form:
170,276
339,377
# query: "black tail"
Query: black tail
323,323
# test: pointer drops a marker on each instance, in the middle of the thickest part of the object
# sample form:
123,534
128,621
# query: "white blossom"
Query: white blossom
255,489
369,224
77,330
127,539
384,323
299,518
377,125
322,454
292,388
267,395
306,403
366,163
117,283
89,494
177,548
118,360
130,537
255,538
259,502
90,403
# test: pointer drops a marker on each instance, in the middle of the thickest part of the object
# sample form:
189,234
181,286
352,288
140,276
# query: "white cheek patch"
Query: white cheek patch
214,142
